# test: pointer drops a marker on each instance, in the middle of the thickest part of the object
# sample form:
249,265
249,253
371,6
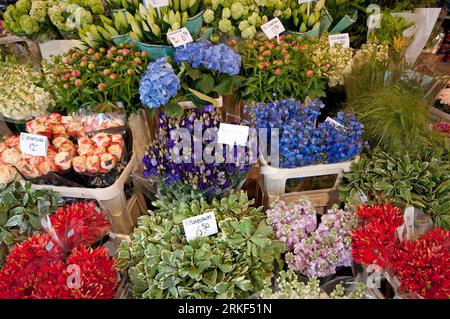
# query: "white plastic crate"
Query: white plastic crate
274,179
123,213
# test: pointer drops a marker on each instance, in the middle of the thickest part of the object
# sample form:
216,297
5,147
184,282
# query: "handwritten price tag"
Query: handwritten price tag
231,134
35,145
200,226
156,3
343,39
180,37
273,28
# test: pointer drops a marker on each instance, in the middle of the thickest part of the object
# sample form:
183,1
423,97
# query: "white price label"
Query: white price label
49,246
343,39
410,31
335,123
374,21
273,28
156,3
200,226
35,145
231,134
180,37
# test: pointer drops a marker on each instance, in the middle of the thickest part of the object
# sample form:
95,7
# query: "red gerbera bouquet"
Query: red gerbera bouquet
40,267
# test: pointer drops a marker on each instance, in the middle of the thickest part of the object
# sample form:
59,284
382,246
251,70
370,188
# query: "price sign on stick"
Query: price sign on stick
200,226
231,134
273,28
35,145
343,39
180,37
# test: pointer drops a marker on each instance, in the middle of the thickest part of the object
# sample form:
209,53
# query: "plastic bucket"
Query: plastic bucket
345,22
156,51
118,39
325,24
195,24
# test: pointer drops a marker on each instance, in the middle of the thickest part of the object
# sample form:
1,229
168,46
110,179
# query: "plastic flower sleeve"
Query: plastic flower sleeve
416,223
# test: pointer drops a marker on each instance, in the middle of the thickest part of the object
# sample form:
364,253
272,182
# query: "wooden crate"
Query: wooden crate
322,200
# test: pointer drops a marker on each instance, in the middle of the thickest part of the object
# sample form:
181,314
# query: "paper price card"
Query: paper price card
180,37
231,134
35,145
273,28
156,3
200,226
343,39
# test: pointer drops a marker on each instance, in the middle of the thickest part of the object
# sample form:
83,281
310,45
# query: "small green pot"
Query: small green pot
195,24
156,51
118,39
345,22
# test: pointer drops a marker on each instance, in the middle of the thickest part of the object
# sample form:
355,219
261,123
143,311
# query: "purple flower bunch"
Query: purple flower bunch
302,141
213,175
218,57
158,84
314,250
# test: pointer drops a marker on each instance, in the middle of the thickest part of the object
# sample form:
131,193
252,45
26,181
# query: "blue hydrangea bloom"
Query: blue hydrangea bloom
158,84
223,59
192,54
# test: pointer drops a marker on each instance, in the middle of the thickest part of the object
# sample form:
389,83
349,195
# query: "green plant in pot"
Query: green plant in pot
233,263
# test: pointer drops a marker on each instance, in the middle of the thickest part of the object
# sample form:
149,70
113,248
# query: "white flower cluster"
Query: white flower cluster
20,97
370,51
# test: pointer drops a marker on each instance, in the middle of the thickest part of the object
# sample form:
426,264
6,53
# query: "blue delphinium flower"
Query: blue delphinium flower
194,53
223,59
158,84
302,142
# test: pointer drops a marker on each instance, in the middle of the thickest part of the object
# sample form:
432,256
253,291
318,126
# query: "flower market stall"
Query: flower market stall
215,149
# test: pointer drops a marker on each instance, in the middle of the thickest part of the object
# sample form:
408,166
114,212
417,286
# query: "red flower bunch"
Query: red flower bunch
58,264
375,242
80,224
38,269
442,127
423,266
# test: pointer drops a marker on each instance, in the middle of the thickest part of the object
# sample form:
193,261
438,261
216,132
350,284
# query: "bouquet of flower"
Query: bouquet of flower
420,265
43,265
142,23
97,79
21,96
202,165
288,286
279,70
333,63
45,17
314,250
301,141
202,69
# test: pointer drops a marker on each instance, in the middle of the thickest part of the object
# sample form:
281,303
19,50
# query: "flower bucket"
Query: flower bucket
156,51
345,22
195,24
118,39
325,24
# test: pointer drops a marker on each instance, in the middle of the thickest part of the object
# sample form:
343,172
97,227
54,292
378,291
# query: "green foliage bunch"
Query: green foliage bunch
230,264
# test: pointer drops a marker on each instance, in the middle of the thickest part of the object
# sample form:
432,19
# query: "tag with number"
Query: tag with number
335,123
200,226
273,28
343,39
35,145
231,134
374,21
156,3
180,37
